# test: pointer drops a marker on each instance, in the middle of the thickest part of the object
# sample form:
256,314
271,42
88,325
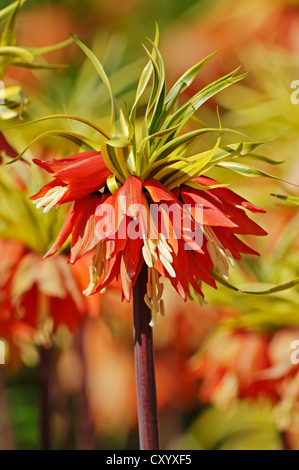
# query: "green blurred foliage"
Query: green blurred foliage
249,426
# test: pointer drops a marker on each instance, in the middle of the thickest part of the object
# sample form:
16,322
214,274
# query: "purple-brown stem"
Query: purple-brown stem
44,398
145,368
285,441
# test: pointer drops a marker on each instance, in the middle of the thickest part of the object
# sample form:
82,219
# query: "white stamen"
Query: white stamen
147,254
165,249
96,269
51,198
221,257
153,296
152,248
167,266
93,281
230,258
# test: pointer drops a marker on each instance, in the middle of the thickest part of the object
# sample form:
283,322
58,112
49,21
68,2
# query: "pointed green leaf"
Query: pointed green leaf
159,104
77,139
186,111
111,160
194,169
201,187
250,171
5,12
272,290
8,36
144,78
100,70
176,143
179,87
154,169
292,200
241,149
38,51
155,85
119,141
99,129
173,169
20,52
186,80
37,66
156,135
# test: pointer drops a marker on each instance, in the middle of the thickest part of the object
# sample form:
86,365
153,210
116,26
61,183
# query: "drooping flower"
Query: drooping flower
243,364
147,200
37,296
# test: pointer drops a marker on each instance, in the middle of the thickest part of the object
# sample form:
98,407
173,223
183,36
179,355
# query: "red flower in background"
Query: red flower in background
36,296
243,364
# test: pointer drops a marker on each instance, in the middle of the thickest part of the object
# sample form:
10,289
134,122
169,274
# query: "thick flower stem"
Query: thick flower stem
44,398
145,368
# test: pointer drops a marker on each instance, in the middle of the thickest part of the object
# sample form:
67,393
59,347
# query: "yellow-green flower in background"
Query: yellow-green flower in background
12,100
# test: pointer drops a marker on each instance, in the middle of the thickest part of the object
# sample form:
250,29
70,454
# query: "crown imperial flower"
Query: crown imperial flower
143,197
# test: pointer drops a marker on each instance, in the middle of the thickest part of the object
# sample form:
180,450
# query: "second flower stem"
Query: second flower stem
44,406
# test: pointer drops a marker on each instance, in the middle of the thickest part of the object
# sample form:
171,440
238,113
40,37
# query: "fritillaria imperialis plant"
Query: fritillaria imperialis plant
143,200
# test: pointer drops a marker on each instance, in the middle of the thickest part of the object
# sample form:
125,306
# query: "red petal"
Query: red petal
242,224
64,233
84,177
180,281
167,220
246,225
228,241
84,238
158,192
129,264
201,267
132,192
112,271
233,243
229,195
212,215
58,164
43,191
